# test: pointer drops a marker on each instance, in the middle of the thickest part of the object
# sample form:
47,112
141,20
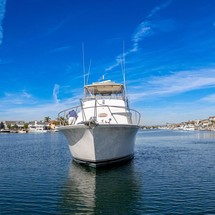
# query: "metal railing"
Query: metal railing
132,115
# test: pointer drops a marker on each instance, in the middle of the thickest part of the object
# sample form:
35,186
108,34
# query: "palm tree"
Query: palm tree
62,120
47,119
26,126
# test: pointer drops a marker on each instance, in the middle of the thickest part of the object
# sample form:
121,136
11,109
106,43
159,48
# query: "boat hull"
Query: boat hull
100,145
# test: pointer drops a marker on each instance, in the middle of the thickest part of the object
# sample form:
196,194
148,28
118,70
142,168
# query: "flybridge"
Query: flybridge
104,88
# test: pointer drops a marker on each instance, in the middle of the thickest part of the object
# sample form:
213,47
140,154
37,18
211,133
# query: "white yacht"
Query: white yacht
105,129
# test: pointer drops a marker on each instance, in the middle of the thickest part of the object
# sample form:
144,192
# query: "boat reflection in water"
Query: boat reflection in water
100,191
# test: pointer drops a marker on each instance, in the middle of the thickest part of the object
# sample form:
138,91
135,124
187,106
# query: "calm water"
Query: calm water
172,173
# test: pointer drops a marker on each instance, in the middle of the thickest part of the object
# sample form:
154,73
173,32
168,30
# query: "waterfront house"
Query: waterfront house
35,126
212,119
12,124
203,124
52,124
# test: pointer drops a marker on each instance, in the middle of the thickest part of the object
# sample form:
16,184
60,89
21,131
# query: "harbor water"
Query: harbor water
173,172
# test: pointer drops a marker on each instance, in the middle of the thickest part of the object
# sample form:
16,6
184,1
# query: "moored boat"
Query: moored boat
105,129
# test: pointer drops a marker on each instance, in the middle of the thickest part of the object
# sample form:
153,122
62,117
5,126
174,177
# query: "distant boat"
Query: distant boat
105,129
4,131
22,131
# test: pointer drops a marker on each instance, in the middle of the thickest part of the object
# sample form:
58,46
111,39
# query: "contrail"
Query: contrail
144,29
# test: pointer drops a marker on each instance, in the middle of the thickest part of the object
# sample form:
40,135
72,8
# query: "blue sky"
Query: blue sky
169,50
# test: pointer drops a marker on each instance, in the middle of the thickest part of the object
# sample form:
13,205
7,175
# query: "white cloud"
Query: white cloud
55,93
118,62
209,98
2,13
141,31
158,8
175,83
144,29
174,113
112,67
184,81
19,98
24,106
37,111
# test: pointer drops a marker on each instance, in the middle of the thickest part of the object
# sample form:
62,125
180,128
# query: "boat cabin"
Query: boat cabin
105,103
104,89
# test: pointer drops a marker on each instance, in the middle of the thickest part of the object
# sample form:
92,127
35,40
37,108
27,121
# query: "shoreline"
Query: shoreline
25,132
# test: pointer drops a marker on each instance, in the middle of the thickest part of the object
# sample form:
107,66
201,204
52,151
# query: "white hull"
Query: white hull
101,144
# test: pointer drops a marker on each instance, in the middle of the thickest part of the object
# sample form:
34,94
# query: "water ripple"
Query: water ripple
172,173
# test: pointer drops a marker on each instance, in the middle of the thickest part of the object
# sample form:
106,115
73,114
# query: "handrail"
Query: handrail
63,120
